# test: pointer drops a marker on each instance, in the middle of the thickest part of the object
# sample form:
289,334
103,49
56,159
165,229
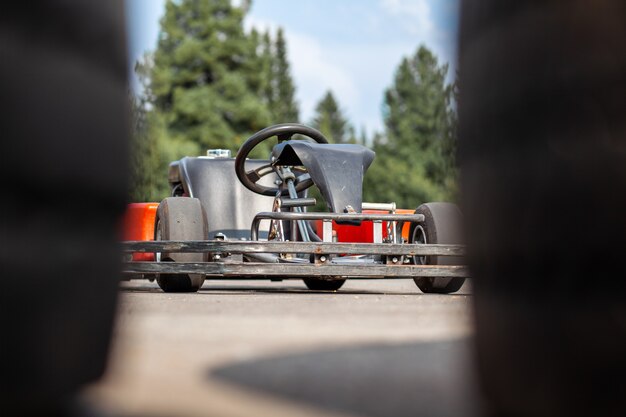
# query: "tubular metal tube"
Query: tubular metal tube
293,194
413,218
314,237
297,202
391,207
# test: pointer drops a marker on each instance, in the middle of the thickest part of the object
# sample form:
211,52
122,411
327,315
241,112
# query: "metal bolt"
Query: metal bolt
394,260
322,258
217,257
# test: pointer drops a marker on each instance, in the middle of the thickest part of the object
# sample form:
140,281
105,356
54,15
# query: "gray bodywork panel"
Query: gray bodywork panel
336,169
229,206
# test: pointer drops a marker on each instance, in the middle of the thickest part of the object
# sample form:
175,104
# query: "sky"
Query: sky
351,47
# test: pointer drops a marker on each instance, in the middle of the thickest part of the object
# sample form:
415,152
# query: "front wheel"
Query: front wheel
442,225
180,218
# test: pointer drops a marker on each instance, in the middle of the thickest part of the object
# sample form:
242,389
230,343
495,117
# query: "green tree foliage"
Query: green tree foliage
211,85
207,85
205,79
330,120
363,137
266,65
285,108
152,148
277,89
414,161
152,151
448,149
144,155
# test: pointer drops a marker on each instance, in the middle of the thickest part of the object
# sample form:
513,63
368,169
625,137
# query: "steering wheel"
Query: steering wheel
283,132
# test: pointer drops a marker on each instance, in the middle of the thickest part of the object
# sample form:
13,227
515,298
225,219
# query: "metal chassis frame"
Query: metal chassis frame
328,218
322,266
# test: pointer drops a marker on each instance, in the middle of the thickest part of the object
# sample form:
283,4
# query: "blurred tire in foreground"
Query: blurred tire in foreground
63,118
543,155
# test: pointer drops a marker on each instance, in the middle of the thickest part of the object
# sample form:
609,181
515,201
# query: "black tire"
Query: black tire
181,218
543,171
324,285
60,260
442,224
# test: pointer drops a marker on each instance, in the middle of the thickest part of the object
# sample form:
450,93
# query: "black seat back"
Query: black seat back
336,169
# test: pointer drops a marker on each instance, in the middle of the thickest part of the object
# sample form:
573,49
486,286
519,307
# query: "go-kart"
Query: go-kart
239,218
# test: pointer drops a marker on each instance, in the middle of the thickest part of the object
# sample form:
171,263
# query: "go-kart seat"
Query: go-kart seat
336,169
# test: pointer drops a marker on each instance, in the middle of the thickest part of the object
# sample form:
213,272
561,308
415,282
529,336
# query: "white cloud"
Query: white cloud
415,15
313,70
355,58
358,71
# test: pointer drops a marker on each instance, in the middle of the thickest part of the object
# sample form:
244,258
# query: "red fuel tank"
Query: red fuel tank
139,225
365,232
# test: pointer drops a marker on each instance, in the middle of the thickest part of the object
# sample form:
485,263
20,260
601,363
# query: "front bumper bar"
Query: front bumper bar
248,270
323,266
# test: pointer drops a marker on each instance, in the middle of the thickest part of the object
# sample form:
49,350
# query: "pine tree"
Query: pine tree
285,108
363,136
448,169
143,154
205,81
330,120
278,90
208,85
152,148
413,156
256,78
267,60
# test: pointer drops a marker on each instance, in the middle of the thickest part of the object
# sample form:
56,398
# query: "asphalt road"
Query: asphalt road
255,348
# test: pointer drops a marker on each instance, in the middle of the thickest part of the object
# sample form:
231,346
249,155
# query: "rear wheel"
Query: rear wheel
323,285
180,218
442,225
